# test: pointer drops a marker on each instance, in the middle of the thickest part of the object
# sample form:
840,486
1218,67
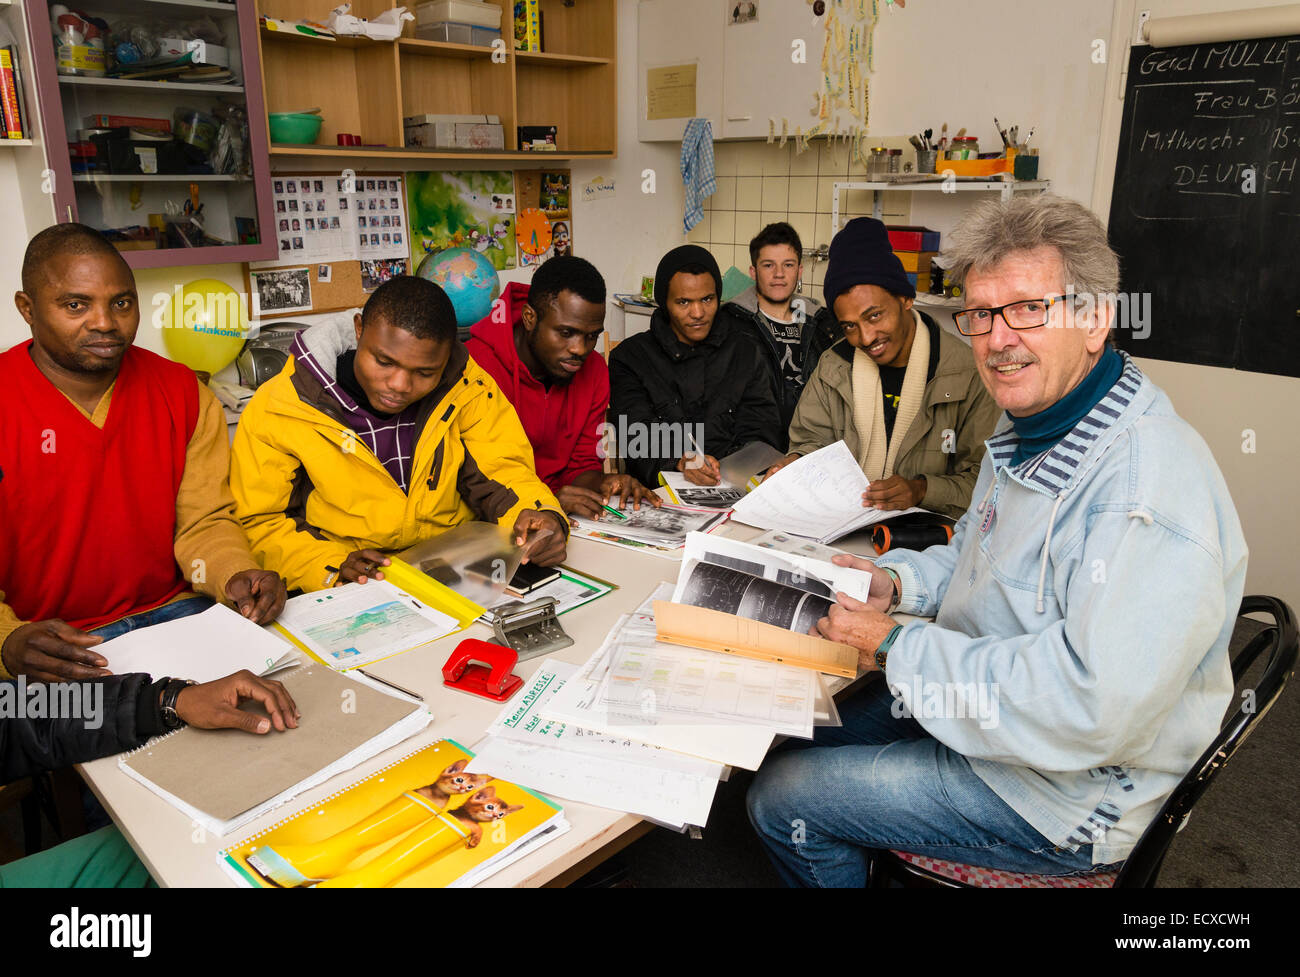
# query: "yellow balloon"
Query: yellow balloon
205,325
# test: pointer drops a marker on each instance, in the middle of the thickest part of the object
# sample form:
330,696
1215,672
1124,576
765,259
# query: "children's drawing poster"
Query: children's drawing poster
545,225
419,823
472,209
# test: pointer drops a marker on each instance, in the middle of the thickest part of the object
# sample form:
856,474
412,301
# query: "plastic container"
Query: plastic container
449,32
471,12
294,127
485,36
197,129
964,147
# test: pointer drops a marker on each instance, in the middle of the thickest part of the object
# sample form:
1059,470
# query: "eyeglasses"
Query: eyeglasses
1028,314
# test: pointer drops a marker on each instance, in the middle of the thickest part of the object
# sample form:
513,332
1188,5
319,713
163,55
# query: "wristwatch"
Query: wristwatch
882,652
898,590
167,702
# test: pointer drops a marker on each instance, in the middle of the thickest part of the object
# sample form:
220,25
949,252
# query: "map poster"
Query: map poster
471,209
357,624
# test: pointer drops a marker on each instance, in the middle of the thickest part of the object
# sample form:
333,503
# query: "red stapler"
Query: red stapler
492,679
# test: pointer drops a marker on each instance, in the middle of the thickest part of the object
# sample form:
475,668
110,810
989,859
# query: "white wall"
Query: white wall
1223,404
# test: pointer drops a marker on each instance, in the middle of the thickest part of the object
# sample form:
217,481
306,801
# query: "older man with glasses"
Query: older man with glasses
1077,663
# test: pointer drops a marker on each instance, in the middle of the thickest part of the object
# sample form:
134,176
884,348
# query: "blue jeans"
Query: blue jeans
159,615
883,782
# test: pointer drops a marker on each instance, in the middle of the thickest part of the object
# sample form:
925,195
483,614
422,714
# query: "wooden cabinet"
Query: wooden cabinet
745,73
233,203
367,87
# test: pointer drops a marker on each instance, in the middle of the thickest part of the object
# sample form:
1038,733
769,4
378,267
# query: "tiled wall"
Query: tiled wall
759,183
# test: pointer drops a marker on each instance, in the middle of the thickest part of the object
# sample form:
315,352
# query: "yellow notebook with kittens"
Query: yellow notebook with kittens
421,822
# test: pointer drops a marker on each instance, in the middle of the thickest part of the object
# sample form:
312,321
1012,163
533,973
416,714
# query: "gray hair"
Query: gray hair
994,231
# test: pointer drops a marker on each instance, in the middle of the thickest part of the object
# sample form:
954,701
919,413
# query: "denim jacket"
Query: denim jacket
1086,602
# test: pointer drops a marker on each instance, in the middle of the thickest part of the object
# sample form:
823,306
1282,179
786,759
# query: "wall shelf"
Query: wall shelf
443,49
367,88
159,178
978,185
557,60
156,86
408,153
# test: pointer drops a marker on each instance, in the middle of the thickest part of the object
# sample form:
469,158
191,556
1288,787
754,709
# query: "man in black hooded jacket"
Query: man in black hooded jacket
695,387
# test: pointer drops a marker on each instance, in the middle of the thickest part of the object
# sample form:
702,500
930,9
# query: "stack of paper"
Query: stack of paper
819,496
590,767
707,704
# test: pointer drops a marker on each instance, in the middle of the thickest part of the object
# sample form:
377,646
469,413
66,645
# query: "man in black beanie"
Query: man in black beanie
903,394
694,387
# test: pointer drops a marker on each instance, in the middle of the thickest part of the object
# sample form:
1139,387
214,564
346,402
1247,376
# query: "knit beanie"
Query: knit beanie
861,255
678,258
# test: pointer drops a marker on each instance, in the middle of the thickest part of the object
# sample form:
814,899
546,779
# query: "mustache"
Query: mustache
1009,357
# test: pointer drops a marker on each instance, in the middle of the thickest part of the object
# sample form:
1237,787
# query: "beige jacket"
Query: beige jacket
955,400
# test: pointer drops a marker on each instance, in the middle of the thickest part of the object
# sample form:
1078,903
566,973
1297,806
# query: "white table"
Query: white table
178,852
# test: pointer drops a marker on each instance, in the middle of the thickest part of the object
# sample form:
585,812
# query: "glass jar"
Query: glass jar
878,164
895,161
964,147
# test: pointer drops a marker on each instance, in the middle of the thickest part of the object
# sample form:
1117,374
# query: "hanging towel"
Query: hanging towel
697,169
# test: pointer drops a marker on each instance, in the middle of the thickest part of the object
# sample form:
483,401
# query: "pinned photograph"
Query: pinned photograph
280,291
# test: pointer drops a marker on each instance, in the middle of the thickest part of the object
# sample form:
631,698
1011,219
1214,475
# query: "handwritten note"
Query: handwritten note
670,92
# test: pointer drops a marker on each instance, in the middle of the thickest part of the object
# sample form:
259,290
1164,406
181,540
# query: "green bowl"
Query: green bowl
295,127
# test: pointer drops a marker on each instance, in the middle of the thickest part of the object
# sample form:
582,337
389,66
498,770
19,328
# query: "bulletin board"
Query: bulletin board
350,279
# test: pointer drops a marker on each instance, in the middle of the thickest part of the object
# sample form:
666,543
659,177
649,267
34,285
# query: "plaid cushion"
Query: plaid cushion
992,878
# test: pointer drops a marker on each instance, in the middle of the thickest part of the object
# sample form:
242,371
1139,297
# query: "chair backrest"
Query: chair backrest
1282,645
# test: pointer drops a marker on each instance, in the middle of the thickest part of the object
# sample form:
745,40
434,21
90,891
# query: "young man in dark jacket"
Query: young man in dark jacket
117,713
793,330
694,387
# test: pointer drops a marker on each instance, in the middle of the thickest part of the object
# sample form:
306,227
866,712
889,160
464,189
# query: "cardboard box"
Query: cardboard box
480,136
916,261
913,238
527,26
454,131
128,122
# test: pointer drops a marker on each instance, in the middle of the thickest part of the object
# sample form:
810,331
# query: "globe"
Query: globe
468,278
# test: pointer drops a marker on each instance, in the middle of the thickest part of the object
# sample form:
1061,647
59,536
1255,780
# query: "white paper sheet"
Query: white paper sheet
819,496
202,647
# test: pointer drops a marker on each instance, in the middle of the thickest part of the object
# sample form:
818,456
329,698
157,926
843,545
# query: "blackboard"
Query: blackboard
1205,213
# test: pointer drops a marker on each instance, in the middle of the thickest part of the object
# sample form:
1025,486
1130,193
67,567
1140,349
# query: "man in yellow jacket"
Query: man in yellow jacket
380,434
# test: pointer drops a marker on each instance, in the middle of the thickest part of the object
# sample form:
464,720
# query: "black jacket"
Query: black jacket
722,383
130,716
820,332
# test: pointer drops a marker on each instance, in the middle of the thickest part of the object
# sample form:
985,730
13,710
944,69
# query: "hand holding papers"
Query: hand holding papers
741,472
820,496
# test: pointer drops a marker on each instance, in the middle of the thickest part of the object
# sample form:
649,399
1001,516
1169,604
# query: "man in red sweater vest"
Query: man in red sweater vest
537,344
115,505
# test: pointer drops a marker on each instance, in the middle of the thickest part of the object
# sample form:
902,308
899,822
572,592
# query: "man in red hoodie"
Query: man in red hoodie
537,344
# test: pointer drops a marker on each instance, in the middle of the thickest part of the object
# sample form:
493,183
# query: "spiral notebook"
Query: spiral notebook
418,822
224,778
